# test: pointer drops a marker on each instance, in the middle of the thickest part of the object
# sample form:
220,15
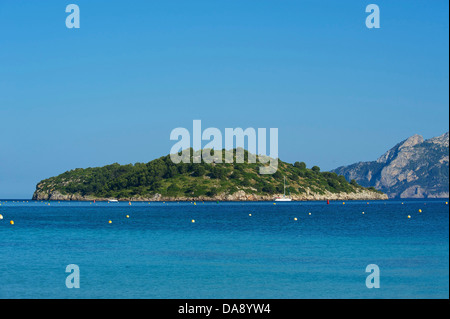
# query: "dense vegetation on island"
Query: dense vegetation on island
162,176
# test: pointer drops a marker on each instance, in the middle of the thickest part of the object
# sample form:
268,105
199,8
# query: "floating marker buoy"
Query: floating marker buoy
11,222
420,210
409,216
363,213
249,214
446,203
195,203
193,221
109,222
309,214
295,218
343,203
128,216
274,203
129,203
1,216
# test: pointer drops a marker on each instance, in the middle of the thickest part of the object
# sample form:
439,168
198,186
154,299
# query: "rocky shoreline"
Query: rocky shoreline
363,194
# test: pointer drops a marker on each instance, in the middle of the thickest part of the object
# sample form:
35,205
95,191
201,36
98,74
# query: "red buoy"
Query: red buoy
328,202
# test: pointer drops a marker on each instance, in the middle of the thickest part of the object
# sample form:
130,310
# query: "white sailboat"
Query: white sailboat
284,198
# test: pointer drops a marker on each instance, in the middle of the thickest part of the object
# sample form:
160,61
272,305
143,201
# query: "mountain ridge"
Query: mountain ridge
413,168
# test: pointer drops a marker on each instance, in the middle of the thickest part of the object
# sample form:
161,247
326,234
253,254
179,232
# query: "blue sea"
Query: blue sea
158,252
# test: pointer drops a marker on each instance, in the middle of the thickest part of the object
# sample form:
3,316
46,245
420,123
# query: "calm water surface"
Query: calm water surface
159,253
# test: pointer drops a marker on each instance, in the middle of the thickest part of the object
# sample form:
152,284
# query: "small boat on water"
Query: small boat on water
284,198
113,201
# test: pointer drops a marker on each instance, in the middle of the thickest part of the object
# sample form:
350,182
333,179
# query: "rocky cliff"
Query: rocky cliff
414,168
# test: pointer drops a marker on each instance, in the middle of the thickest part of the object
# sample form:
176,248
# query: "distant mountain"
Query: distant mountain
163,180
413,168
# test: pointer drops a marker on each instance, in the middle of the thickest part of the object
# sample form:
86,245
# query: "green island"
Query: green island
161,179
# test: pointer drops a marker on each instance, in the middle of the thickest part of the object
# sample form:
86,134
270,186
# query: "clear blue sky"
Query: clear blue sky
113,90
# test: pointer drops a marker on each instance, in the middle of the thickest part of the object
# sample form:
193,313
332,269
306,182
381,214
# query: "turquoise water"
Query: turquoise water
159,253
